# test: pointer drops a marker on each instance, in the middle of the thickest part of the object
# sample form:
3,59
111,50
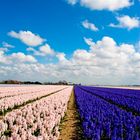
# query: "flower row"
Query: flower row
18,90
37,121
103,120
119,97
9,103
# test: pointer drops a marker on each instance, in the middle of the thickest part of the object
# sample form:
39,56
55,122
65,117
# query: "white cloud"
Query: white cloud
88,41
126,48
44,50
86,24
136,57
61,57
7,45
3,58
126,22
47,51
3,49
72,2
34,51
21,57
110,5
15,58
82,55
105,62
30,49
27,37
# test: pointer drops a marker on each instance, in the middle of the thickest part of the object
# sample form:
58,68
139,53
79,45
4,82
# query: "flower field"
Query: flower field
39,119
108,113
36,112
21,96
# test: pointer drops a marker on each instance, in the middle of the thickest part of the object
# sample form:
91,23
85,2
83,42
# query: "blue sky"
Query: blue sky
68,30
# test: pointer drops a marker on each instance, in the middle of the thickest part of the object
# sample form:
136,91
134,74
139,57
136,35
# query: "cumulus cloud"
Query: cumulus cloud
82,55
113,55
110,5
3,58
126,22
105,62
44,50
89,41
21,57
47,51
7,45
27,37
86,24
18,57
106,59
62,57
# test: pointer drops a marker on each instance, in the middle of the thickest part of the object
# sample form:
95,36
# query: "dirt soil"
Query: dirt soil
70,128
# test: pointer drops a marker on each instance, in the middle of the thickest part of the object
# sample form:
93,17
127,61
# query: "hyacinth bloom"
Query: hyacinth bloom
104,120
38,120
23,95
18,90
127,98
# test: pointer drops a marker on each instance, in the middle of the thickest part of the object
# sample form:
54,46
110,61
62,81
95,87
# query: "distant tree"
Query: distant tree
11,82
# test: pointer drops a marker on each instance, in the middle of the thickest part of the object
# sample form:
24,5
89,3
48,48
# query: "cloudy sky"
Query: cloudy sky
81,41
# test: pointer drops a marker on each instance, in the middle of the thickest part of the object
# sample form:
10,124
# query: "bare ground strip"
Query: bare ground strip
70,127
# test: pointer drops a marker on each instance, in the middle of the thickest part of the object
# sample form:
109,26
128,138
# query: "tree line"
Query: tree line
36,82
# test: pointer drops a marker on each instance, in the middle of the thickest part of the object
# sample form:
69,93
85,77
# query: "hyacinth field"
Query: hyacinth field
36,112
32,112
107,113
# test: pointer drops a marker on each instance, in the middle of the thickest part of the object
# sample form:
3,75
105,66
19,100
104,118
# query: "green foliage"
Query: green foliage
8,133
36,132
